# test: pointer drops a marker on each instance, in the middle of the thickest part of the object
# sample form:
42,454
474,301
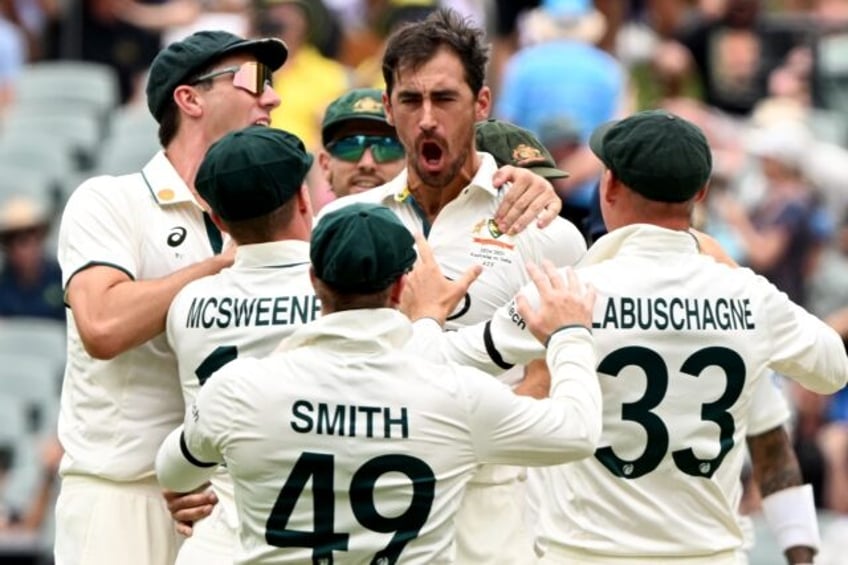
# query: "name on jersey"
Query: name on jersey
223,312
677,314
349,420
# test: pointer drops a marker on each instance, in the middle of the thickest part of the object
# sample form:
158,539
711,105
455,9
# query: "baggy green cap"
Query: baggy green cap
356,104
251,172
174,64
361,248
657,154
513,145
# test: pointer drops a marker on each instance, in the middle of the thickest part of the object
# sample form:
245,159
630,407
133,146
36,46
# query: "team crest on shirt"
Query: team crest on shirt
492,245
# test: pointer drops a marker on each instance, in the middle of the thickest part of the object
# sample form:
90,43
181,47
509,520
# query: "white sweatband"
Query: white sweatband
791,516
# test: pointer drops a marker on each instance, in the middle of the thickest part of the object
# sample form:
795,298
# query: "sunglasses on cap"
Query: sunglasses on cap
384,148
251,76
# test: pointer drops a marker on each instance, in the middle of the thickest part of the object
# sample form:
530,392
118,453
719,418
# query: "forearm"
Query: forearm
572,358
177,469
37,510
788,507
126,313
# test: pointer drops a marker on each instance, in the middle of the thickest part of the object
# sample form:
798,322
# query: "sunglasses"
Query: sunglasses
251,76
384,148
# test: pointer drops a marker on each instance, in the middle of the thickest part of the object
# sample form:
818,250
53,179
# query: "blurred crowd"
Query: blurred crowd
767,80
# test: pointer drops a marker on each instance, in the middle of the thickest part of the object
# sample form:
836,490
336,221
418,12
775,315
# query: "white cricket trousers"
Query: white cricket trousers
565,556
213,541
100,522
491,526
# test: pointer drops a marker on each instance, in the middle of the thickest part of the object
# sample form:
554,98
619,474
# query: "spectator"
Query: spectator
30,281
309,81
563,34
12,58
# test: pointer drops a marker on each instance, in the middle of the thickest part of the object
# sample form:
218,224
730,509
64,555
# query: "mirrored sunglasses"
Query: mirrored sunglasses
384,148
250,76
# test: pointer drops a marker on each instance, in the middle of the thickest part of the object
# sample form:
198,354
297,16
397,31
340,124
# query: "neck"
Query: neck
432,199
185,153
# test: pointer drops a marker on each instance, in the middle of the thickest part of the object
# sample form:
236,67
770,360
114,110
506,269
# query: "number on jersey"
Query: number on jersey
656,374
323,539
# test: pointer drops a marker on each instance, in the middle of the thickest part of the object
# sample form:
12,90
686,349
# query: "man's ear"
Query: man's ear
483,104
387,106
397,291
188,100
701,194
219,223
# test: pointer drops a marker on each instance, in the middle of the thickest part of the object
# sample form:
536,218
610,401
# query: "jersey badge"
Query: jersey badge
524,155
486,232
166,194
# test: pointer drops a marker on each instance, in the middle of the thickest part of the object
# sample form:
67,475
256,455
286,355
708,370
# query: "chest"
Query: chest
173,237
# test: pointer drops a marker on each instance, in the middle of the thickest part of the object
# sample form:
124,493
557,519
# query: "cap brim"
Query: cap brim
269,51
596,140
550,173
328,129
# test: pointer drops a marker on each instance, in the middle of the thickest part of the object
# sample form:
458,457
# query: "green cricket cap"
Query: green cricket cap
356,104
177,62
361,248
513,145
657,154
251,172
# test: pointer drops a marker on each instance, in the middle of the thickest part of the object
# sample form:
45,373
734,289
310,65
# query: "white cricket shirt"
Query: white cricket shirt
464,234
114,414
682,342
243,311
345,433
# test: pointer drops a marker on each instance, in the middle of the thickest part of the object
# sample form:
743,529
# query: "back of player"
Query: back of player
246,310
343,444
680,354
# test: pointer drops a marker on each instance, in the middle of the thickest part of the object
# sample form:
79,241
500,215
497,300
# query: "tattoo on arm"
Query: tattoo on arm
774,461
776,468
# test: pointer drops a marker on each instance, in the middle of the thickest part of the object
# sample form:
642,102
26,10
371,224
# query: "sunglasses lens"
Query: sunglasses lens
384,149
388,149
252,77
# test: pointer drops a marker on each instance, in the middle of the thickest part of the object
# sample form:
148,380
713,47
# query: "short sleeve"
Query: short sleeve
98,228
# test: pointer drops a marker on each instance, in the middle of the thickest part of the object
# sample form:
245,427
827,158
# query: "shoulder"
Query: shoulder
560,242
376,195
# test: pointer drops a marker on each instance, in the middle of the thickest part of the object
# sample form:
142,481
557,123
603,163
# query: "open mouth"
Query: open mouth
431,154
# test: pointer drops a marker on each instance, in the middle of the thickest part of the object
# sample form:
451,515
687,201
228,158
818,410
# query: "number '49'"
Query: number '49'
323,539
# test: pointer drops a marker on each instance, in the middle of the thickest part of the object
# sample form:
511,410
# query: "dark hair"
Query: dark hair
415,43
335,300
263,228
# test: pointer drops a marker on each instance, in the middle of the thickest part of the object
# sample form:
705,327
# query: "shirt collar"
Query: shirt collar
640,239
165,183
359,331
273,254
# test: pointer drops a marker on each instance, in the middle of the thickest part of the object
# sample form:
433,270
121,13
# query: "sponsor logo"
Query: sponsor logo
176,236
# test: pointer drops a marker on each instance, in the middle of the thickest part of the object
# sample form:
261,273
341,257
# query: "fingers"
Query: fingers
184,529
539,277
553,275
468,277
425,252
549,213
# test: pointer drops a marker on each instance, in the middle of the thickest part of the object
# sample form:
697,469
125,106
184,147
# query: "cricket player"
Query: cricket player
253,180
434,72
343,444
127,245
683,343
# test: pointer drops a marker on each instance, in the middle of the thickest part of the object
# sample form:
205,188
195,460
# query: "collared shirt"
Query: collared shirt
464,233
683,343
115,413
371,442
244,310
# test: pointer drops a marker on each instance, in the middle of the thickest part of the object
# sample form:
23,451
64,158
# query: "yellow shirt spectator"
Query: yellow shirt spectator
306,85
